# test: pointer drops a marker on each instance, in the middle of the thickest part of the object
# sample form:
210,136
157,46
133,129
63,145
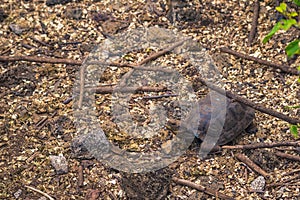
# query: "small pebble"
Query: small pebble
18,193
258,184
59,163
16,29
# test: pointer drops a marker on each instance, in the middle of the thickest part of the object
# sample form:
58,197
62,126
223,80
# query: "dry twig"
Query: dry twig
40,41
80,176
254,22
201,188
152,57
81,87
251,164
284,68
39,191
291,172
262,145
287,156
288,181
128,74
40,60
111,89
160,96
5,51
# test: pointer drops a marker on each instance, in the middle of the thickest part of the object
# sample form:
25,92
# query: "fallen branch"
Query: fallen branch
41,124
160,96
39,191
288,181
287,156
150,58
40,41
228,94
111,89
40,60
291,172
133,66
284,68
201,188
251,164
162,52
262,145
80,179
282,184
254,23
247,102
128,74
5,51
81,86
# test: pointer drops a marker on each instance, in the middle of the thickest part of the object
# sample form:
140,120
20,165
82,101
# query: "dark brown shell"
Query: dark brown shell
237,119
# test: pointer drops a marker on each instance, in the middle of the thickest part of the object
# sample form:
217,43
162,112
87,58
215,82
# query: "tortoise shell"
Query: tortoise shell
238,118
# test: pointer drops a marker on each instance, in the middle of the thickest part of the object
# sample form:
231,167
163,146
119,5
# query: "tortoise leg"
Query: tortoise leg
251,128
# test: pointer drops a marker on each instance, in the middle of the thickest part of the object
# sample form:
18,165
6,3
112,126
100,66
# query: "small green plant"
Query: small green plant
285,24
294,130
293,48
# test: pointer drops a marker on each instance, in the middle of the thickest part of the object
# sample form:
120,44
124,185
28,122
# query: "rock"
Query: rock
18,193
16,29
258,184
59,163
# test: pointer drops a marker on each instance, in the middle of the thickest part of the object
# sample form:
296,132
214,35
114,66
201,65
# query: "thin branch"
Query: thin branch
251,164
80,179
254,23
287,156
40,60
160,96
133,66
81,87
39,191
263,145
247,102
150,58
291,172
111,89
40,41
228,94
284,68
5,51
201,188
288,181
162,52
282,184
42,121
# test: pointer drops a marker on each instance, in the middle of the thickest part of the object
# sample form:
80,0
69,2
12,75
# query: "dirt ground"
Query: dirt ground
37,111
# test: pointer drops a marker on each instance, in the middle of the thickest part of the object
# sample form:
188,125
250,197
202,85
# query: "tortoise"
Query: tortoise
239,118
